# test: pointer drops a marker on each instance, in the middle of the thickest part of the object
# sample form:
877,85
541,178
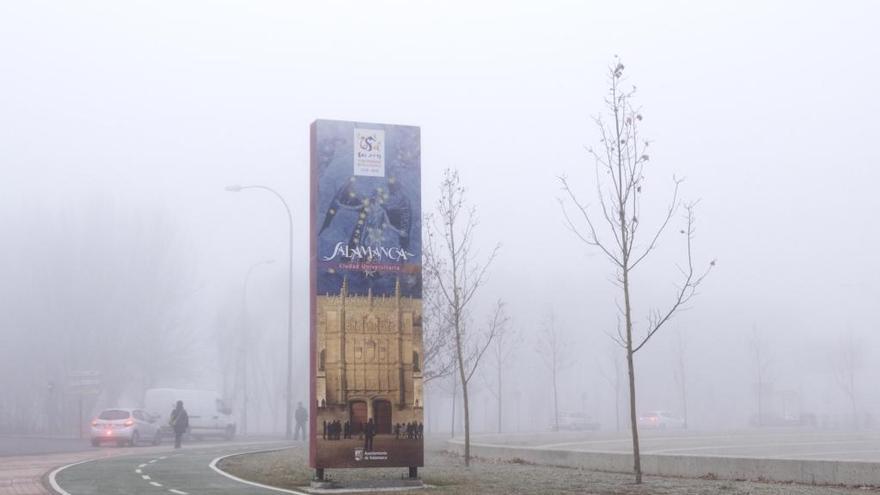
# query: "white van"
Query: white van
208,413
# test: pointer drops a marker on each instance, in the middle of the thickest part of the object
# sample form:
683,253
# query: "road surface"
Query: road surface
112,470
782,443
183,472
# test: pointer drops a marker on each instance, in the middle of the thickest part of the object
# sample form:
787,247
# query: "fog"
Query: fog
121,123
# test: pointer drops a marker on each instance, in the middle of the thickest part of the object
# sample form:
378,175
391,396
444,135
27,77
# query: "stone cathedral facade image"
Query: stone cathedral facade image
369,359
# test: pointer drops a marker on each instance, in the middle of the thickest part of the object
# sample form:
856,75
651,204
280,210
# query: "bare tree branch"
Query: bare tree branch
619,165
459,273
686,291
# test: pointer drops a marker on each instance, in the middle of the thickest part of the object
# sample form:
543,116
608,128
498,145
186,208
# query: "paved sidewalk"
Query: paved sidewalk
18,445
22,475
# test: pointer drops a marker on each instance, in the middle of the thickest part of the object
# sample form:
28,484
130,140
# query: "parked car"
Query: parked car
576,421
660,420
125,427
790,419
209,416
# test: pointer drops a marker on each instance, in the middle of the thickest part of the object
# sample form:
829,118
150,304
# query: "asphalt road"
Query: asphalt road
159,471
779,443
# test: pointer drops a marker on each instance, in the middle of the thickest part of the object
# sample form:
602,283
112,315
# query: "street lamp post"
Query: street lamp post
244,345
288,431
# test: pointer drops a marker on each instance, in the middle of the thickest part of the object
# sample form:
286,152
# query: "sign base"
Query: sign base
366,486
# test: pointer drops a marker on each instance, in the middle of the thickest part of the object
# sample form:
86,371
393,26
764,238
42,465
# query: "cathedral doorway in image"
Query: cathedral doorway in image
358,415
382,416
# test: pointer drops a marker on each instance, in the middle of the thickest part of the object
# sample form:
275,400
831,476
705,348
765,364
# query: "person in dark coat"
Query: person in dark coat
301,416
369,433
179,423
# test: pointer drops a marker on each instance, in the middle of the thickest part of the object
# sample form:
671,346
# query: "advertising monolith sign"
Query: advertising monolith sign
366,296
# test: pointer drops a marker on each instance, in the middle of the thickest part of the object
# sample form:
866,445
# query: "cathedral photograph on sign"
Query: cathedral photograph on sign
367,405
369,379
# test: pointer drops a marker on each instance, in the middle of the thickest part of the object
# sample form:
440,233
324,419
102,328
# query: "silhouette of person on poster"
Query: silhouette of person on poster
369,433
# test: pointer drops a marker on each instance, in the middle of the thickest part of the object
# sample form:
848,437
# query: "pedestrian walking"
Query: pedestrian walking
301,417
369,433
179,423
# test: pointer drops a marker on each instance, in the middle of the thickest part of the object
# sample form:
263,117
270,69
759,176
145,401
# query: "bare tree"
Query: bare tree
620,166
105,287
846,361
762,363
501,351
454,262
679,373
553,348
439,358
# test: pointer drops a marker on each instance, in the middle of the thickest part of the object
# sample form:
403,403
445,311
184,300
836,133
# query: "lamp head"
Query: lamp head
233,188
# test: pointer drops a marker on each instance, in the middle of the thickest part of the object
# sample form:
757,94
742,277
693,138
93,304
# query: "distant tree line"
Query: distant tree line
104,286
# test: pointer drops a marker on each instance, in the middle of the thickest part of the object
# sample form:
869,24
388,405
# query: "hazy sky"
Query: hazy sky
768,108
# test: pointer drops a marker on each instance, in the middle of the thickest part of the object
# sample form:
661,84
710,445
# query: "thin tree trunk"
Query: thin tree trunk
467,423
637,462
461,373
555,399
852,396
454,393
760,394
854,412
499,397
684,399
681,376
467,428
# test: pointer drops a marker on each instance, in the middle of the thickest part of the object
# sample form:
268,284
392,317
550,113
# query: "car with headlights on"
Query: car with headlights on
661,420
125,427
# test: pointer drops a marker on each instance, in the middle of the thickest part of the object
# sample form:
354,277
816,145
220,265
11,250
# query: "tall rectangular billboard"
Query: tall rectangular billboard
366,296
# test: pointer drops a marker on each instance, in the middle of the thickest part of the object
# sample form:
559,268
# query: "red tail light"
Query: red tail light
129,422
94,422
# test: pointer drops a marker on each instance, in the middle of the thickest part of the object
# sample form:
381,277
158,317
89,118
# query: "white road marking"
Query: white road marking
163,458
146,477
155,484
153,461
178,492
142,465
213,465
54,474
139,471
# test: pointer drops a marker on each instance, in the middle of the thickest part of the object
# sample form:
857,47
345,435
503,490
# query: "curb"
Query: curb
213,466
801,471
